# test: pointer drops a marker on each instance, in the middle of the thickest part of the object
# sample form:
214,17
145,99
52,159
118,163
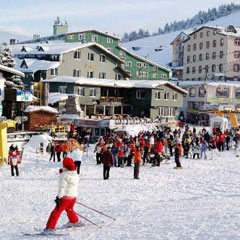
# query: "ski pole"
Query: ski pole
96,211
88,220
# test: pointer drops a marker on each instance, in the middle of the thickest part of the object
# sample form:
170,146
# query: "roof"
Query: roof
59,48
96,31
11,70
57,97
213,83
34,65
146,84
186,33
144,59
41,108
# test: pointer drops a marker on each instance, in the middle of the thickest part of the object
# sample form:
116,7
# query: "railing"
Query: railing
114,100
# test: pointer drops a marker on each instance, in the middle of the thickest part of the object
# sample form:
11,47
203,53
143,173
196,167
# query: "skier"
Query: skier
137,161
66,198
14,159
107,160
178,153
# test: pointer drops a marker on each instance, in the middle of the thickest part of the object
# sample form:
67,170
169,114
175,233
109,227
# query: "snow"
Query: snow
40,108
55,97
164,57
34,142
201,201
11,70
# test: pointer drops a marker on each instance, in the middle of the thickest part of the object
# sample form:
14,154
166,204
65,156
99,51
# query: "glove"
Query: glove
57,201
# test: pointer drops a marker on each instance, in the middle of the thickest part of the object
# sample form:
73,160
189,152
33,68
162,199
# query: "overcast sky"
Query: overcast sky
28,17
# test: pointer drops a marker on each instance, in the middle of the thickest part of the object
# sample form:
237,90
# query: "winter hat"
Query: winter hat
68,163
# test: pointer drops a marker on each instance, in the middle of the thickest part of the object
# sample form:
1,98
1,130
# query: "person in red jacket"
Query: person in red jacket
58,150
158,151
120,147
221,141
14,159
107,160
72,129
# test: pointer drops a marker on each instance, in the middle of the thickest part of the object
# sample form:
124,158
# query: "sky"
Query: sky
23,18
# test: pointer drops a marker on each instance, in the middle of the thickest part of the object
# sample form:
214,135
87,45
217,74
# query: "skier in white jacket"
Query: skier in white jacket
66,197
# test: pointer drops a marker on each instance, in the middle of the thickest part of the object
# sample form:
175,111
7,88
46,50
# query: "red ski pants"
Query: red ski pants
67,205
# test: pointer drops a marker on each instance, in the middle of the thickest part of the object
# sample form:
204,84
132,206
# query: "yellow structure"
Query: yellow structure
233,119
3,142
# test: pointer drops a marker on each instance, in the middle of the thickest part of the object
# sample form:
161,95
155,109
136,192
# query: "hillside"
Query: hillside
163,57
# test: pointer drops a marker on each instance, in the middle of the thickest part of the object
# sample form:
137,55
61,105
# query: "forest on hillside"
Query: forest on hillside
200,18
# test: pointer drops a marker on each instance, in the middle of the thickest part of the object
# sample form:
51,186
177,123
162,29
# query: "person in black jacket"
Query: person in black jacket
52,150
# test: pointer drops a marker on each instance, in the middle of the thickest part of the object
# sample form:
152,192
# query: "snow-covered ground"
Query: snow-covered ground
201,201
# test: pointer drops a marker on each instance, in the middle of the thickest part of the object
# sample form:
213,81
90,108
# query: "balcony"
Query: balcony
114,100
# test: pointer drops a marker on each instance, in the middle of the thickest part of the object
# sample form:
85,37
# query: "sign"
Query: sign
24,96
91,123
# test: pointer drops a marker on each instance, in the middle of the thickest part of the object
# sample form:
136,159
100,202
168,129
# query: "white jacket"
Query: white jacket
75,155
68,184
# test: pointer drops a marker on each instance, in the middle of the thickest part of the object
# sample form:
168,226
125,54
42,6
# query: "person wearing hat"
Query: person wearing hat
66,197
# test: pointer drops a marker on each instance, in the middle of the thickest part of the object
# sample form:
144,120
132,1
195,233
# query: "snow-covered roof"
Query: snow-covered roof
56,48
145,60
213,83
11,70
114,83
41,108
57,97
34,65
96,31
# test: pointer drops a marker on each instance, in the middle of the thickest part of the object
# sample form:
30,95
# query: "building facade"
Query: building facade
212,53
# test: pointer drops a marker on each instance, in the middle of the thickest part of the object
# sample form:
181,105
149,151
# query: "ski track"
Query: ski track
200,201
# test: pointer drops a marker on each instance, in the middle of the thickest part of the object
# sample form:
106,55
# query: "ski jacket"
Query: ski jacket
107,158
68,184
137,156
72,127
159,147
58,148
14,158
75,155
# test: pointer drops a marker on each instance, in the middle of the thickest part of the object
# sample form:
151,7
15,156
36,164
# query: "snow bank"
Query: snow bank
34,142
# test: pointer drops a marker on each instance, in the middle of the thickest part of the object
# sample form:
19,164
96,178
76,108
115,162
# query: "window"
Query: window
237,54
208,33
145,74
164,76
54,72
158,95
194,58
236,67
206,68
207,44
81,91
166,96
118,76
139,64
76,73
220,67
188,48
128,63
90,56
214,43
81,36
194,47
213,68
193,70
200,57
93,92
174,96
155,75
140,94
102,75
154,68
192,92
62,89
94,38
221,42
70,36
188,59
90,74
188,70
201,34
77,54
195,36
237,41
109,40
102,58
214,55
207,56
200,69
221,54
214,32
145,65
200,45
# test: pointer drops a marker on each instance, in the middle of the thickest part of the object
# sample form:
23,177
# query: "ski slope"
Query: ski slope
201,201
164,57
